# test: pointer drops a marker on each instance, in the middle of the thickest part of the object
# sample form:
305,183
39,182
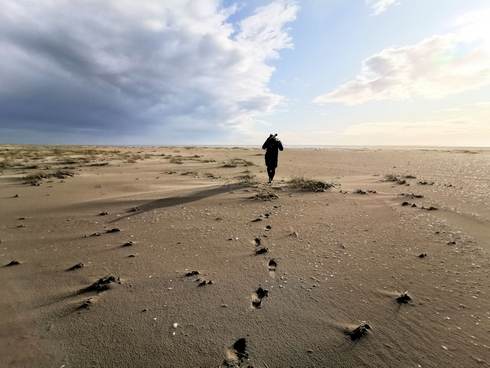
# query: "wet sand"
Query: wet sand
212,267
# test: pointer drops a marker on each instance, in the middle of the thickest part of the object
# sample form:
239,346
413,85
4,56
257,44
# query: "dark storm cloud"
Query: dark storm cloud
123,67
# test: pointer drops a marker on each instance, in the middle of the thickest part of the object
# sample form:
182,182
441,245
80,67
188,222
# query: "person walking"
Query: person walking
272,146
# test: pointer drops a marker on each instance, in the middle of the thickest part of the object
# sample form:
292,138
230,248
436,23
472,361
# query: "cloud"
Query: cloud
449,132
106,68
433,68
380,6
466,125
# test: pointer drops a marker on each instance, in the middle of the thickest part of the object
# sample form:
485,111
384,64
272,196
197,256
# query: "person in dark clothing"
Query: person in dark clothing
272,146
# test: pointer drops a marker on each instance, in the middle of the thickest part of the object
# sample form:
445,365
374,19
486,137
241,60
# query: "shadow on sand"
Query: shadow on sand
181,199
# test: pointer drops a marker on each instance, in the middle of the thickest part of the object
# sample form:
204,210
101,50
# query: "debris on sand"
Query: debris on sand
403,298
361,330
262,250
235,162
268,228
102,284
15,196
431,208
405,204
128,244
395,179
258,219
104,213
114,230
360,191
86,304
265,196
132,256
257,242
257,297
411,195
424,182
204,283
191,273
12,263
309,185
236,354
36,179
422,255
77,266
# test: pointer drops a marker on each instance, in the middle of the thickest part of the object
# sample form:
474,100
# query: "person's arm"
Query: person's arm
279,145
266,143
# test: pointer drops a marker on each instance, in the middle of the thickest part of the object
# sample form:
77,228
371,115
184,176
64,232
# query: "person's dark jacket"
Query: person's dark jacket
272,146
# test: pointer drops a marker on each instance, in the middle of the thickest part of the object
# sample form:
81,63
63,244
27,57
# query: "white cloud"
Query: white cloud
433,68
380,6
124,65
448,132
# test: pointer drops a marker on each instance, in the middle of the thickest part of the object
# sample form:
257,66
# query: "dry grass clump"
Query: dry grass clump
309,185
210,175
36,179
247,179
236,162
176,160
395,179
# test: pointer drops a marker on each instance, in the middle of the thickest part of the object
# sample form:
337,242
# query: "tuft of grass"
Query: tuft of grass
36,179
236,162
247,179
176,160
395,179
309,185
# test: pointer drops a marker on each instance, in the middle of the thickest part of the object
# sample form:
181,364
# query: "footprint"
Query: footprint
262,250
12,263
272,266
257,297
404,298
357,332
236,354
203,283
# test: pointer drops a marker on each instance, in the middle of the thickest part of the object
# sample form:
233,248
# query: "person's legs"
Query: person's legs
271,171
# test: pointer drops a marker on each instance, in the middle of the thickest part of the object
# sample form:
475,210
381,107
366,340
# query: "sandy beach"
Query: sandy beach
186,257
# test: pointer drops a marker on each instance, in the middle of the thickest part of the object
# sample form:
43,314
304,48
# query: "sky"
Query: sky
229,72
